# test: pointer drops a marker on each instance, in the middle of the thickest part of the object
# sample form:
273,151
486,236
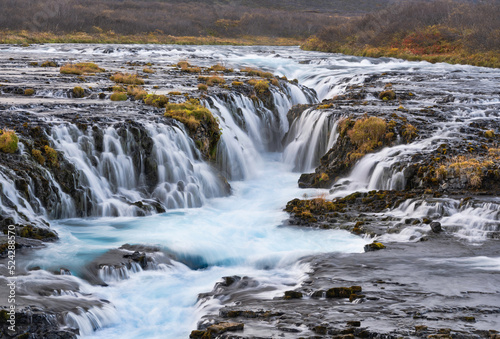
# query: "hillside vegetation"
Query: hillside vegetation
443,30
228,19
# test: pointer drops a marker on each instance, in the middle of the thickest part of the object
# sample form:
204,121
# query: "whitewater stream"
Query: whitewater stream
209,231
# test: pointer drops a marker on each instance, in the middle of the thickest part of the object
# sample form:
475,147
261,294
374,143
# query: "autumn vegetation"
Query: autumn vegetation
455,31
81,68
436,31
8,141
190,113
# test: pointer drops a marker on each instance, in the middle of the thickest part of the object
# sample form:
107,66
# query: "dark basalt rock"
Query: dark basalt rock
374,246
436,227
34,324
292,295
214,331
124,257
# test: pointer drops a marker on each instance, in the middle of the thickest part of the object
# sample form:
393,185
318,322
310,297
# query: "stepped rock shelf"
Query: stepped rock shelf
247,192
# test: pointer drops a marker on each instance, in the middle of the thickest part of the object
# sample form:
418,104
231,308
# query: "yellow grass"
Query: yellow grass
25,37
81,68
8,141
126,78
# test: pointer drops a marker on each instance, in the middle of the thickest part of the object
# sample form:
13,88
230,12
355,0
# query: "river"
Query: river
207,232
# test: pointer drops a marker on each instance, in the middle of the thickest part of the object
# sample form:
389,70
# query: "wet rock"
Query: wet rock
214,331
34,324
436,227
292,295
342,292
138,257
446,99
374,246
354,323
228,281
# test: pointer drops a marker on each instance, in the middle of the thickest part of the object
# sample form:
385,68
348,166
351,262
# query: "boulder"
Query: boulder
436,227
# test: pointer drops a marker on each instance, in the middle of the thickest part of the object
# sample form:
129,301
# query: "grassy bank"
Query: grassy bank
458,56
26,38
435,31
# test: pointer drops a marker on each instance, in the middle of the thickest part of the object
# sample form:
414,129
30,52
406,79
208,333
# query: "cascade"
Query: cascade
88,321
129,168
129,171
309,138
116,173
249,128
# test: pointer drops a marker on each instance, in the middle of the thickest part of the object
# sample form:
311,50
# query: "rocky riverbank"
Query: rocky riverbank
414,181
414,290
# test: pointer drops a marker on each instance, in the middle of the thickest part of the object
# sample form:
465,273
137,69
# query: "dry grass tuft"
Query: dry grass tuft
126,78
81,68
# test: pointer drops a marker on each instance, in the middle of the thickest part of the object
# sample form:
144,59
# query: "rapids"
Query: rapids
206,231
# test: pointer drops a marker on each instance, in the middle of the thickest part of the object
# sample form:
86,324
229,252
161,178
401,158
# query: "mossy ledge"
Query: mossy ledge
202,126
358,136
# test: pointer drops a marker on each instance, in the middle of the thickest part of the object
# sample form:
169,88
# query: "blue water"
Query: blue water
238,235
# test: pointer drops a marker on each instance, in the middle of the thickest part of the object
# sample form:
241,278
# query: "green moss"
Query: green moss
292,295
78,92
190,113
9,141
118,89
36,233
325,106
4,315
118,96
339,292
324,177
29,92
193,115
202,87
387,95
156,100
38,156
374,246
261,86
51,155
48,64
489,134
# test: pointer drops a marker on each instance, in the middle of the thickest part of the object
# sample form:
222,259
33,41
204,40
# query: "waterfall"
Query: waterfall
384,170
88,321
250,128
116,179
309,138
12,203
112,273
148,167
472,220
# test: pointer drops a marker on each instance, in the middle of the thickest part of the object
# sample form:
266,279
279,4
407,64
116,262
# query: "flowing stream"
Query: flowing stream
206,232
